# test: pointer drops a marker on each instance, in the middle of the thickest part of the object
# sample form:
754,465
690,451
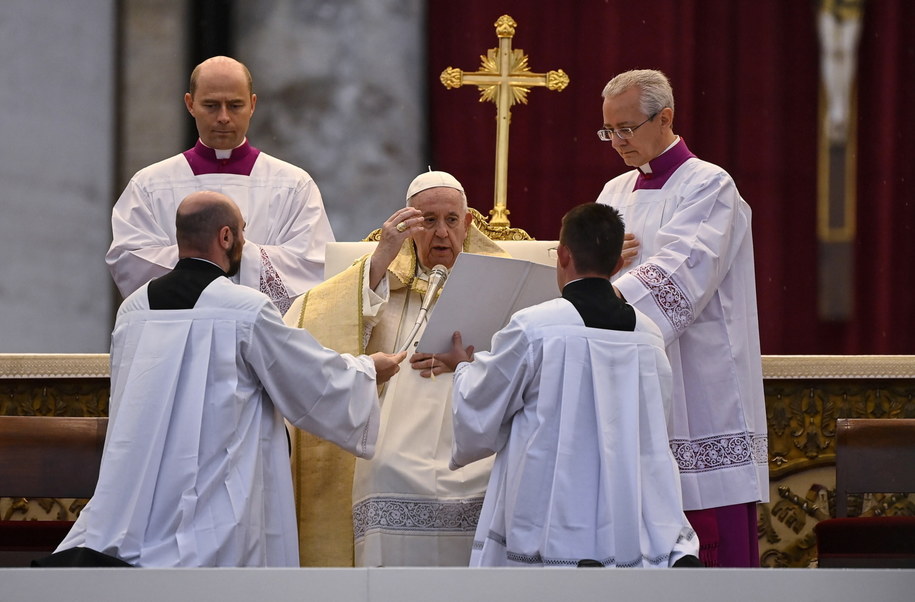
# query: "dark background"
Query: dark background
746,80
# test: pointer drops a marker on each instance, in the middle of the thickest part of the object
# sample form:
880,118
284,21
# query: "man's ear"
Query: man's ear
226,238
564,255
468,219
618,266
189,102
667,117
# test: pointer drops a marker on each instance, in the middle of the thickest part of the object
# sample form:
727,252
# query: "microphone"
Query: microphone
436,281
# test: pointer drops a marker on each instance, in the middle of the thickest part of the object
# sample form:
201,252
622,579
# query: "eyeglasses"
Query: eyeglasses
606,134
553,252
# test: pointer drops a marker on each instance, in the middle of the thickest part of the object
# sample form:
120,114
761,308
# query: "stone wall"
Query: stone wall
339,94
56,170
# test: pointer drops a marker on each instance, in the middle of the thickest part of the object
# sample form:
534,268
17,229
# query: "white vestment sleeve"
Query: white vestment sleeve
697,247
294,257
373,301
141,249
331,395
486,395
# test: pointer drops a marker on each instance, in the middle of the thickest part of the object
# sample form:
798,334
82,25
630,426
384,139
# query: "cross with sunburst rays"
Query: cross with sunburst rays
505,79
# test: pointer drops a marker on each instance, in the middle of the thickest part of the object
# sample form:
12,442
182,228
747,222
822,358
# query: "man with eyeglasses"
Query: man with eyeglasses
408,508
690,269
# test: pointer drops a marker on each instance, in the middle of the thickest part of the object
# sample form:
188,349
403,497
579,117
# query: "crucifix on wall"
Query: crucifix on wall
839,29
505,79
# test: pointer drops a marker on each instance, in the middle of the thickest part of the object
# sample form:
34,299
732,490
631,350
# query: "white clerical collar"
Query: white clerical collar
647,167
422,272
577,279
225,153
208,261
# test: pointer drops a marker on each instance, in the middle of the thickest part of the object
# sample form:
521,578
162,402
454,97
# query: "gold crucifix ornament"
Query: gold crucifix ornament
505,79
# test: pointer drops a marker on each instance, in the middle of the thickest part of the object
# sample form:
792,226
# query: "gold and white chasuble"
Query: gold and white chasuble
404,507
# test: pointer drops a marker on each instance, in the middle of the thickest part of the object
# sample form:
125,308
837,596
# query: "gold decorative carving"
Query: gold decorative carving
452,78
505,79
505,27
804,396
51,385
41,508
54,365
54,397
838,366
801,415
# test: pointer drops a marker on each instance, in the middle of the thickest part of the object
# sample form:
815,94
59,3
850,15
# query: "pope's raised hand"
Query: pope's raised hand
396,229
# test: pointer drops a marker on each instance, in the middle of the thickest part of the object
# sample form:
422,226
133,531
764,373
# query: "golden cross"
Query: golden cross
505,79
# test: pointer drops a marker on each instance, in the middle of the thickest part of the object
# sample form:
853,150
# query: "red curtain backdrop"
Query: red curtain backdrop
745,75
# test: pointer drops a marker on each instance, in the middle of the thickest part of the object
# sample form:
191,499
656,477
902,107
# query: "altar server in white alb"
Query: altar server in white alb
691,252
195,471
573,399
287,226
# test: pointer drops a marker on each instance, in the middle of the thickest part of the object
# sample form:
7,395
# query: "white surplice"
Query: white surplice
577,418
195,470
286,226
694,277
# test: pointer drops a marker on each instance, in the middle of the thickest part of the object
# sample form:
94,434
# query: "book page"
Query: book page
480,296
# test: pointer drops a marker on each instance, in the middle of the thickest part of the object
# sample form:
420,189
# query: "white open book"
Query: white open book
480,295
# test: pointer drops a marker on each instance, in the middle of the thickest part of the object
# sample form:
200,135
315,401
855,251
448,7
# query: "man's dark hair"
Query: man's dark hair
593,233
195,230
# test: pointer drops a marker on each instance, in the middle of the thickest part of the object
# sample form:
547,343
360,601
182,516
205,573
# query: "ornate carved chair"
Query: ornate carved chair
872,456
45,457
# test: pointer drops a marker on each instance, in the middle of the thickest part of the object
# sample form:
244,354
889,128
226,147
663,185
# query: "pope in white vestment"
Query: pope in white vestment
408,509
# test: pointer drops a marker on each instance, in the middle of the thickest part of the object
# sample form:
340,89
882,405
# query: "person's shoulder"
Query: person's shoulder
136,301
225,294
696,169
620,184
164,166
163,174
700,179
547,313
645,324
268,162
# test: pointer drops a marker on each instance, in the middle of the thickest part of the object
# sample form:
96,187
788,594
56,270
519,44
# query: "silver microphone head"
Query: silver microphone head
436,280
439,272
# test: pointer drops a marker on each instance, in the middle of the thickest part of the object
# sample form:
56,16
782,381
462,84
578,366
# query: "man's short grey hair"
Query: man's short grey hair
655,90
